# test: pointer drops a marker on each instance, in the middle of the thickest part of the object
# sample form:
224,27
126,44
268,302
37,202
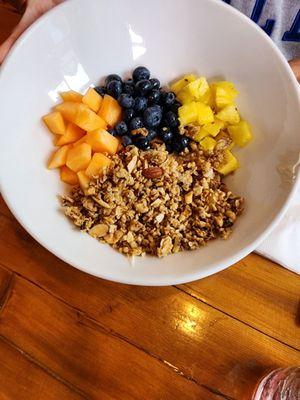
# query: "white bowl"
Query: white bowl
80,42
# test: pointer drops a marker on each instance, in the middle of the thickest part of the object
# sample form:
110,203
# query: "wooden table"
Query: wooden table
67,335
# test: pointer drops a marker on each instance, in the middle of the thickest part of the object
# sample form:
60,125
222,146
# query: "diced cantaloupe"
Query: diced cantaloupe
110,111
99,163
92,99
73,133
229,165
241,133
68,176
229,114
102,141
71,95
84,180
205,114
188,113
59,157
78,157
80,114
208,143
177,86
55,123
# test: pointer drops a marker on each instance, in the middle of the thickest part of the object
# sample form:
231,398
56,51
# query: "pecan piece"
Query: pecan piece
152,172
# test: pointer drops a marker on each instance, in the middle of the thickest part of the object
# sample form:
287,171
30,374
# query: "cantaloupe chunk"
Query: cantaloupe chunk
92,99
102,141
78,157
97,165
71,95
55,123
73,133
110,111
68,176
84,180
59,157
80,114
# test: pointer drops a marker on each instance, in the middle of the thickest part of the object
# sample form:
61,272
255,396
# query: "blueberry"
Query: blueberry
114,88
142,143
166,134
169,98
128,86
180,143
154,96
171,119
151,134
169,147
101,90
126,140
143,86
141,73
140,104
112,77
155,83
126,100
152,116
128,114
136,123
113,132
174,107
121,128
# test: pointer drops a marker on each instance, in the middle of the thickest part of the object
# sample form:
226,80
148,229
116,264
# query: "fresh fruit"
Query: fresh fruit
225,93
202,133
71,95
169,99
84,180
92,99
152,116
136,123
241,133
128,114
112,77
171,119
101,90
128,86
110,110
73,133
208,143
230,163
229,114
68,176
114,89
166,134
102,141
142,143
194,91
140,104
205,114
180,143
143,86
97,165
55,123
59,157
213,128
155,83
79,157
153,97
81,115
121,128
177,86
126,100
140,73
126,140
188,113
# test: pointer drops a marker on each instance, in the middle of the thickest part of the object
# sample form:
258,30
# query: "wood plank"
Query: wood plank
80,351
8,20
258,292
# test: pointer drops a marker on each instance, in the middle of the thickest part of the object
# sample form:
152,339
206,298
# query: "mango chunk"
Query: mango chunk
68,176
177,86
92,99
110,111
205,114
84,180
97,165
55,123
241,133
73,133
80,114
59,157
230,163
71,95
208,143
229,114
78,157
102,141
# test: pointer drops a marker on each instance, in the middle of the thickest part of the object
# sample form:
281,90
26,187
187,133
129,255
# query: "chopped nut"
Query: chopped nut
99,230
188,198
153,172
159,218
132,163
140,131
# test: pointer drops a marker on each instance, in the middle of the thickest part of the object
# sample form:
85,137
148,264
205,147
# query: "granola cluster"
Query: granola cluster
156,203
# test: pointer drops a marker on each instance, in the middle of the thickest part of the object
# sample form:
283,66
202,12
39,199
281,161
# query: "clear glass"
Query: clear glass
281,384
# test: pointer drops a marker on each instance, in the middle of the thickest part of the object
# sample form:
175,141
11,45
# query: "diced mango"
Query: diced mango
205,114
92,99
73,133
71,95
230,164
241,133
110,111
97,165
55,123
208,143
78,157
229,114
68,176
80,114
59,157
84,180
102,141
177,86
188,113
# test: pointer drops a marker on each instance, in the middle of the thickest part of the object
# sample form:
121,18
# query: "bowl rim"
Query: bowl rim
183,278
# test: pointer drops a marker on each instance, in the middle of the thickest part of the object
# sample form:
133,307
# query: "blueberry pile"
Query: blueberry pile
149,112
